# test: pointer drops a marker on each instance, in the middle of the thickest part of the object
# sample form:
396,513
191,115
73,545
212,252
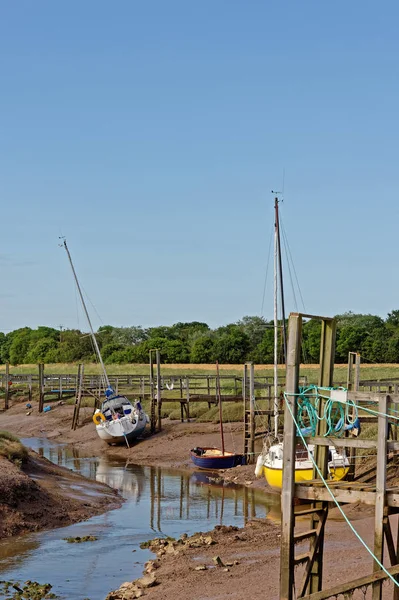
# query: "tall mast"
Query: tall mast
280,270
93,337
275,319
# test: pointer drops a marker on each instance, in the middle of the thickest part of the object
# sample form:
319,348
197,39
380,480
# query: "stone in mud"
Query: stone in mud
147,581
201,568
151,566
209,541
218,561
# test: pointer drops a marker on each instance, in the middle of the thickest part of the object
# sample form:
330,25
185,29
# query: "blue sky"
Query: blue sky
150,134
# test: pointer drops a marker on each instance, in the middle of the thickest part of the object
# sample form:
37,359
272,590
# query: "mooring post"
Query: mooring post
287,493
159,390
327,355
41,387
252,412
244,401
381,478
7,386
152,396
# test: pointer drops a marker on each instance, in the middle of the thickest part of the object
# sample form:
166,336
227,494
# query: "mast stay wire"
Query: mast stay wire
292,262
267,269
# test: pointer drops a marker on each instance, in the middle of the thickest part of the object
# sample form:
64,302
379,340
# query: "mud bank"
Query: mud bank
242,563
39,495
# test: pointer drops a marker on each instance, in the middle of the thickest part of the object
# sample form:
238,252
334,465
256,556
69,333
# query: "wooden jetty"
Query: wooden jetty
319,498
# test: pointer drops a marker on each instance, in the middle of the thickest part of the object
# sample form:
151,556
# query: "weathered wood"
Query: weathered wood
343,442
314,580
380,494
41,386
287,493
315,548
159,390
252,412
7,386
351,586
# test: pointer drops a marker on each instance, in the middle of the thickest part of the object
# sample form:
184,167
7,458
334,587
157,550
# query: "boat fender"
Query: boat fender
259,466
98,417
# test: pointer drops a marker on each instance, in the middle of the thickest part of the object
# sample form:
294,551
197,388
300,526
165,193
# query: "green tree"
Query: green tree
231,345
255,328
202,350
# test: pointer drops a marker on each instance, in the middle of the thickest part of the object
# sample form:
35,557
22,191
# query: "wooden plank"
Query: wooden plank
287,493
342,442
380,494
342,495
355,584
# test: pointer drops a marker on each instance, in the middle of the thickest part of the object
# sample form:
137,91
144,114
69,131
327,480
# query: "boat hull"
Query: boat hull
274,477
119,432
214,462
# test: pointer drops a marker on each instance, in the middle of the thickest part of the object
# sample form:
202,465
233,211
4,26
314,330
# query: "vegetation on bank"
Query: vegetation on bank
250,339
12,449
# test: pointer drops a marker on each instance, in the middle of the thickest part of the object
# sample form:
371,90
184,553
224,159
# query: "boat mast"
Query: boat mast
275,319
280,271
93,337
220,405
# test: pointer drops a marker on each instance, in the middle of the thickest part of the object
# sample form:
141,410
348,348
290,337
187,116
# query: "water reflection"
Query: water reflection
158,502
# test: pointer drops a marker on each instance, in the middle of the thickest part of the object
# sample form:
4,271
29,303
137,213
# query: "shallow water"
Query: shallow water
159,502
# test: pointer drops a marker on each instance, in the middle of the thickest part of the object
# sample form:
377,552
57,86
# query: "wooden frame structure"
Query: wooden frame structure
385,500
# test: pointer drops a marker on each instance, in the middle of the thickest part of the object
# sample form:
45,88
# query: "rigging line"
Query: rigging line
333,497
289,272
267,269
293,264
94,308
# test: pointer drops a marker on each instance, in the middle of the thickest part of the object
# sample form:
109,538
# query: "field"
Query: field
367,371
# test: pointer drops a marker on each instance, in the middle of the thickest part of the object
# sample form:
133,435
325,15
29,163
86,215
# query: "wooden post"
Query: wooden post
159,390
153,417
252,412
7,386
244,401
30,388
287,493
188,399
78,397
41,387
327,355
380,493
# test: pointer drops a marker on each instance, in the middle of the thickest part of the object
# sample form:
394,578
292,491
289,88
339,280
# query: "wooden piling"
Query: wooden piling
41,386
380,493
7,386
287,493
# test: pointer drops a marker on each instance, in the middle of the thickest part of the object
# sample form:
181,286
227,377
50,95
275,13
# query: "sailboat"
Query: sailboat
270,462
215,458
118,421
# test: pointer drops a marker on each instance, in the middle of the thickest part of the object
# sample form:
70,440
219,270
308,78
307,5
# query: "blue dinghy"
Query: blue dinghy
212,458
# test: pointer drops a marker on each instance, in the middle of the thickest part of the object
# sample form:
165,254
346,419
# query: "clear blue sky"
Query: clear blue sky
151,133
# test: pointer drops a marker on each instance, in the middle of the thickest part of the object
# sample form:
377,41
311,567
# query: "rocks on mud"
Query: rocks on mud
79,540
161,546
134,589
29,589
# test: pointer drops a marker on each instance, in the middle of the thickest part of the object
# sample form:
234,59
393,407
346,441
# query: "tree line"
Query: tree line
250,339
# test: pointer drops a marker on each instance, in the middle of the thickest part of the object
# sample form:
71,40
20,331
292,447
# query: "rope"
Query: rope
337,415
332,495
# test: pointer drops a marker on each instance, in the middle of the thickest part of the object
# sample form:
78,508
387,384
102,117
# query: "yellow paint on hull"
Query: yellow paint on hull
274,477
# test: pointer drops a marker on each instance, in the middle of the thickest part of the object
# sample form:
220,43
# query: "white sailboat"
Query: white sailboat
270,461
118,421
